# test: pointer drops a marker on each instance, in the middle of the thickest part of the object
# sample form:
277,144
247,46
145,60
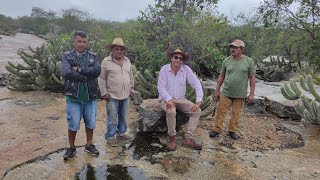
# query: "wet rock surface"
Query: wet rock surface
34,137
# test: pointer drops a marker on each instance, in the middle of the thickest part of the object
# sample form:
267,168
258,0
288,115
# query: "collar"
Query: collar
168,68
109,58
77,53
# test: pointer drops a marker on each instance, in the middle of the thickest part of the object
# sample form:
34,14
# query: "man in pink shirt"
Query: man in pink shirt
172,89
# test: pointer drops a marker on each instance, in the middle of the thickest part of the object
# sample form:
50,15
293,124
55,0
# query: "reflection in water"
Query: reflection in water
114,172
147,144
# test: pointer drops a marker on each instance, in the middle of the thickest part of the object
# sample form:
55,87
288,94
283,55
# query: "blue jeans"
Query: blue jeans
75,111
117,111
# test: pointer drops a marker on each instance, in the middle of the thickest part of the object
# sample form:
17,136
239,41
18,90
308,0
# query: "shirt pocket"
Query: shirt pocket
245,68
182,81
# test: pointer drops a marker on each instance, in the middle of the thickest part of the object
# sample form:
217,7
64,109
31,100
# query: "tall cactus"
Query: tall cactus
307,108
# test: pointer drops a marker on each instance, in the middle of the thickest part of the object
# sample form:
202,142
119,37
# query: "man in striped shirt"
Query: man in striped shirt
172,89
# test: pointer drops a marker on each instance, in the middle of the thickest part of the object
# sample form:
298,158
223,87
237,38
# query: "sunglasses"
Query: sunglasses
178,58
118,49
234,47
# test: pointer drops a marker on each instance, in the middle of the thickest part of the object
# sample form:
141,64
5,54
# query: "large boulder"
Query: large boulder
153,119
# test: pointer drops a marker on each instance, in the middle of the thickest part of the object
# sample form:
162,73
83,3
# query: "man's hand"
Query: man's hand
131,94
169,104
106,97
196,106
250,98
216,95
75,68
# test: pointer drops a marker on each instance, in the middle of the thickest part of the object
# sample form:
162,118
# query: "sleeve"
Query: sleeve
223,67
194,83
66,72
93,69
131,79
102,79
161,85
252,67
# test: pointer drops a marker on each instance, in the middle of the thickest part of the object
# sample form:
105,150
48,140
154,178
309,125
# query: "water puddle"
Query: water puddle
110,172
147,144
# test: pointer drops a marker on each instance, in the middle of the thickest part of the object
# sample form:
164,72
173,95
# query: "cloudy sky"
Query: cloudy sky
113,10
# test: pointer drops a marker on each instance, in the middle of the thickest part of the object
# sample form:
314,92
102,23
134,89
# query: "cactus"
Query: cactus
272,73
307,70
274,69
36,74
311,88
278,61
307,108
41,70
145,84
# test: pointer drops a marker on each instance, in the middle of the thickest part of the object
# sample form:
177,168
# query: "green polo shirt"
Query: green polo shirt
236,75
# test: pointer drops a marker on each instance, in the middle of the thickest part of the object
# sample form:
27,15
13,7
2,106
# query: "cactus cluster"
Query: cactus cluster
145,85
145,88
273,70
272,73
307,108
41,67
307,70
40,71
7,33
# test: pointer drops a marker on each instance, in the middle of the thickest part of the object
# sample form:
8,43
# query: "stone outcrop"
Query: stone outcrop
153,119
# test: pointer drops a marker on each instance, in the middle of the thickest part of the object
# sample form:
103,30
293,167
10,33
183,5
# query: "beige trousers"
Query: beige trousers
224,106
185,106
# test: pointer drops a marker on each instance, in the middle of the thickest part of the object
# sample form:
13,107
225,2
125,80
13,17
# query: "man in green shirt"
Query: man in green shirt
235,72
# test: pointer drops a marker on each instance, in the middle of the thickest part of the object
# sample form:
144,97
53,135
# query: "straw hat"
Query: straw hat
178,51
117,42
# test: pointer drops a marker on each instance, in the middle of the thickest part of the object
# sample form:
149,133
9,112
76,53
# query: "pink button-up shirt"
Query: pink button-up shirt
171,86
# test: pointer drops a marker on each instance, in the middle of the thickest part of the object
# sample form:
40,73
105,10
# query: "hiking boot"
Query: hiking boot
233,135
112,142
69,153
190,143
92,150
172,145
124,137
213,134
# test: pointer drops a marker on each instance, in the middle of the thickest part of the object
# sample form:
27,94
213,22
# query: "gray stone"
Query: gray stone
153,119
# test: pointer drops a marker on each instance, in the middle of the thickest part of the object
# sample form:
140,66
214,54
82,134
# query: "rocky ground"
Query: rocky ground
34,130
